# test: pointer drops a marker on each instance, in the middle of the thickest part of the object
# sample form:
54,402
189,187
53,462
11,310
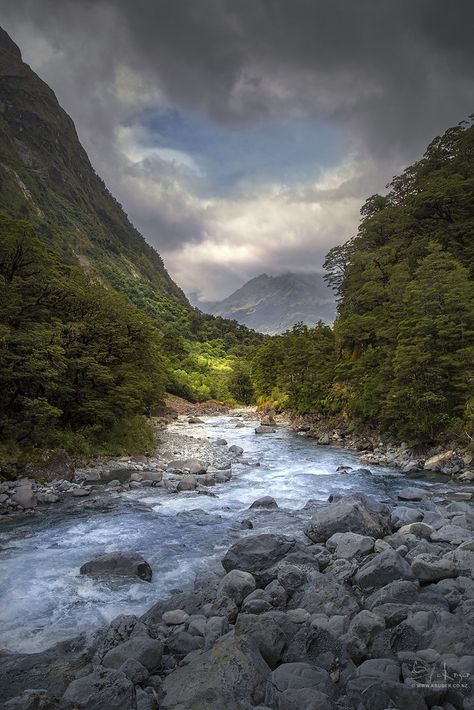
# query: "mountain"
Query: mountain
46,178
273,304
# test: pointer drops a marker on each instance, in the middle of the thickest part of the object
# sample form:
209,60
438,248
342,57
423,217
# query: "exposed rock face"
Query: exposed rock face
354,513
118,564
50,465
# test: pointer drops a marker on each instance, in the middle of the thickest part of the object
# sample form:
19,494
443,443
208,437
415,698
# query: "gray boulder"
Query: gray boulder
237,585
236,450
216,627
353,513
402,515
327,596
266,633
385,567
382,668
141,648
362,630
418,529
187,483
231,675
350,545
257,553
175,617
413,494
368,692
101,689
299,686
193,466
264,429
134,671
118,564
25,497
266,502
429,568
396,592
454,534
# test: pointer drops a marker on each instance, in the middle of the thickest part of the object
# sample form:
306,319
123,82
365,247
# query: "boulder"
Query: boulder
37,700
219,442
118,564
362,630
355,513
141,648
134,671
50,465
153,476
266,502
236,450
264,429
413,494
402,515
418,529
315,643
230,675
368,692
396,592
187,483
454,534
267,634
382,668
174,617
193,466
325,595
25,497
350,545
257,553
101,689
436,463
385,567
237,585
216,626
180,643
299,686
429,568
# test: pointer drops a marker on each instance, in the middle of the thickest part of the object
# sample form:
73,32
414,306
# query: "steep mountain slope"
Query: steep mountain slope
273,304
46,178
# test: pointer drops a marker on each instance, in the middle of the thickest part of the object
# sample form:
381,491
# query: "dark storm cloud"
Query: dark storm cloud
385,75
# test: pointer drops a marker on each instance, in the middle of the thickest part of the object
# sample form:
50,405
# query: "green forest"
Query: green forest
400,358
91,341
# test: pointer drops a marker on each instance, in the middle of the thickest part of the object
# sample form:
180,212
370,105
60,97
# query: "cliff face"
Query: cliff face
47,178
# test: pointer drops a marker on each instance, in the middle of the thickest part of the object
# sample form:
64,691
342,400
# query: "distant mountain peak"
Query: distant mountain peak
273,304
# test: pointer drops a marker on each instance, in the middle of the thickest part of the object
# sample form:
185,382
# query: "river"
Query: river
45,599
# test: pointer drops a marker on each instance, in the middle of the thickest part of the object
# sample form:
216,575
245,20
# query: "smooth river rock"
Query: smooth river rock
118,564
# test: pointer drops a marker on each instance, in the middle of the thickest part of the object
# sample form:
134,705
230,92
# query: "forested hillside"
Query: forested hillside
93,329
403,358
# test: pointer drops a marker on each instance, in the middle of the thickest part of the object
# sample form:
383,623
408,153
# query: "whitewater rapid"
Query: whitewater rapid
46,600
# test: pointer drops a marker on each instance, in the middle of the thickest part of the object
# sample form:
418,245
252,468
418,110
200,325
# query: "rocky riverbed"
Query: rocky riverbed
365,600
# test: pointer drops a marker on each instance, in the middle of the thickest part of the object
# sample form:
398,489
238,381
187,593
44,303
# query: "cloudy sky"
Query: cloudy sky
242,136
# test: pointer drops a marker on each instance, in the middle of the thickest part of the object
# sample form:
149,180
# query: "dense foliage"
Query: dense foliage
404,336
296,369
78,363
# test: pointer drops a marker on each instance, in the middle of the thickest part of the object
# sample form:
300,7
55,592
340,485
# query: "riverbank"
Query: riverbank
297,603
369,606
450,459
